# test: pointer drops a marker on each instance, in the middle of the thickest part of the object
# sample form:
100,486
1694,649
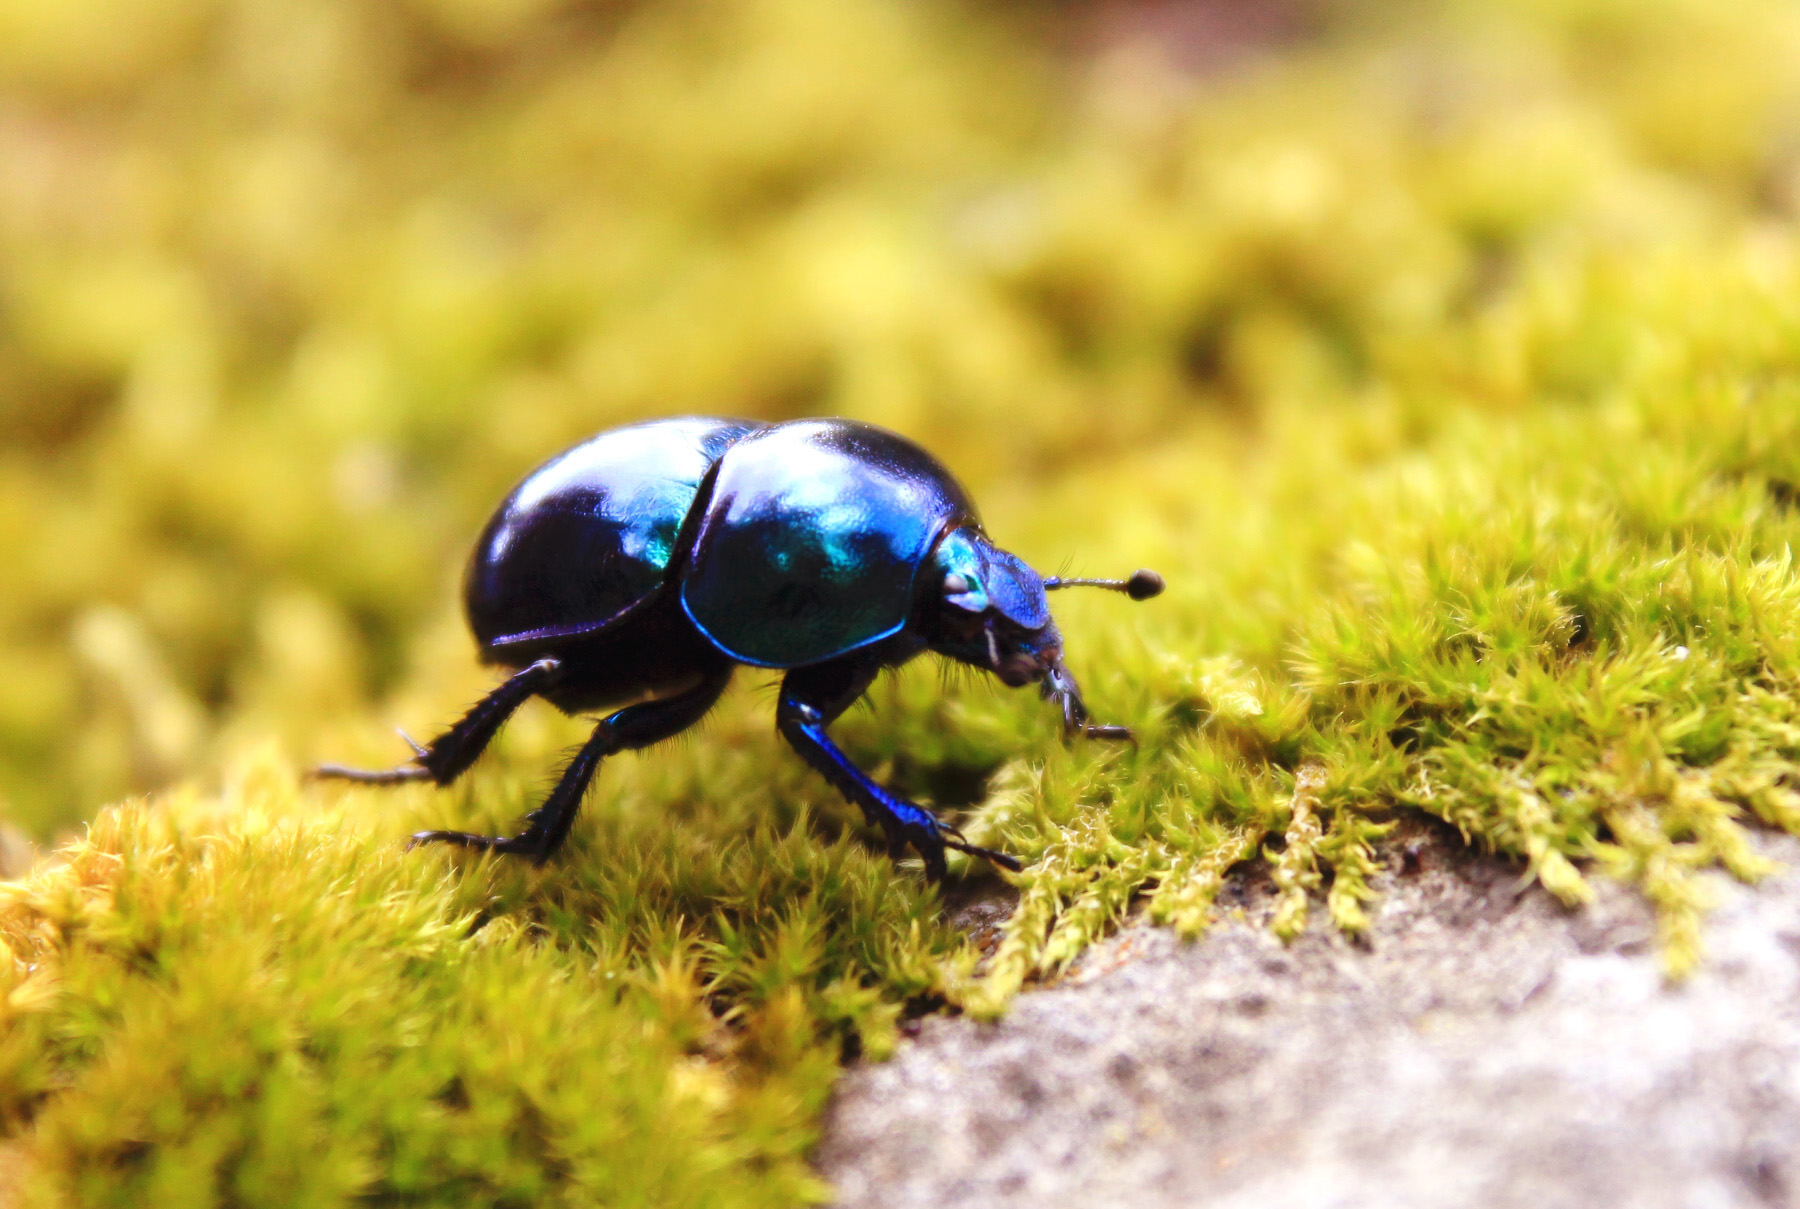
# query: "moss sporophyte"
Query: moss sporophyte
1449,371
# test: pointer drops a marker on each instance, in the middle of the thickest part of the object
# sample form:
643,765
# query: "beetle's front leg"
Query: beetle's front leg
1060,687
811,698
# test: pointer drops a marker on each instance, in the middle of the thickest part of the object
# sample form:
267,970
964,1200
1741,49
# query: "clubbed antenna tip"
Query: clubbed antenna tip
1143,584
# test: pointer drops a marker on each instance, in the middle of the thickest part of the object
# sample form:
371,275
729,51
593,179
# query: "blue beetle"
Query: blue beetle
643,565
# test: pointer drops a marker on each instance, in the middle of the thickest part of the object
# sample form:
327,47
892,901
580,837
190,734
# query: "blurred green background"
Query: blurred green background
292,291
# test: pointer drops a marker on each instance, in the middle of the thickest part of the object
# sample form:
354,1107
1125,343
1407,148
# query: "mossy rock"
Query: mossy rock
1444,364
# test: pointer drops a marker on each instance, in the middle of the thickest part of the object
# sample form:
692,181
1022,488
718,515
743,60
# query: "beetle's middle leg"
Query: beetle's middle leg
811,698
633,727
452,753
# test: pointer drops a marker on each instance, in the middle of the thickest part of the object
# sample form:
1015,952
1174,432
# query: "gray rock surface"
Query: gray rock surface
1485,1047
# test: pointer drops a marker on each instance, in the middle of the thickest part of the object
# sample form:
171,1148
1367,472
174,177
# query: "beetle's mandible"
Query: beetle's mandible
646,563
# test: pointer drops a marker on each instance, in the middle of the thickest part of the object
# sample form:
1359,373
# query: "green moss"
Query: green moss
230,999
1445,366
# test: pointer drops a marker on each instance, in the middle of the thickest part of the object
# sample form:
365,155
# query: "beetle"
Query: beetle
639,568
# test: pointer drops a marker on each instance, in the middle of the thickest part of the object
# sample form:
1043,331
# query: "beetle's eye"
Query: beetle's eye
955,585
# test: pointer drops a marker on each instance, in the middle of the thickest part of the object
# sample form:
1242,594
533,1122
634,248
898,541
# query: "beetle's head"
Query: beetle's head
986,607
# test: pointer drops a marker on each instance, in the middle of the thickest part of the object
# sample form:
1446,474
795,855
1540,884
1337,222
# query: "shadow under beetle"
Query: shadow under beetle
644,564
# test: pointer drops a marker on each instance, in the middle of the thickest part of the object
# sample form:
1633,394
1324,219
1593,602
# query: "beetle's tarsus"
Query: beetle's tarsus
371,776
1010,863
527,843
952,837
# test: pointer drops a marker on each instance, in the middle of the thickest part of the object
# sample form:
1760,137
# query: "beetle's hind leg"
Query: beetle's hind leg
452,753
633,727
811,697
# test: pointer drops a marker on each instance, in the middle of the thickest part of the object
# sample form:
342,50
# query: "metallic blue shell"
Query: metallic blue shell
589,535
812,540
996,579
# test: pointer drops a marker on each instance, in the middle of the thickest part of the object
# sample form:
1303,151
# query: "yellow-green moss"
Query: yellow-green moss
1445,364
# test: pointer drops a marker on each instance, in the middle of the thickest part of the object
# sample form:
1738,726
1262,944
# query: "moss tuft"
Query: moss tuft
1447,365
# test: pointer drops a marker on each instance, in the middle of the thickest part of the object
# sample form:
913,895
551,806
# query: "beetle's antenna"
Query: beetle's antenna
1143,584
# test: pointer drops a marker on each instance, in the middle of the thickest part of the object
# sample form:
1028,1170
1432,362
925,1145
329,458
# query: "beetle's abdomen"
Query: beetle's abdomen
812,539
590,534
